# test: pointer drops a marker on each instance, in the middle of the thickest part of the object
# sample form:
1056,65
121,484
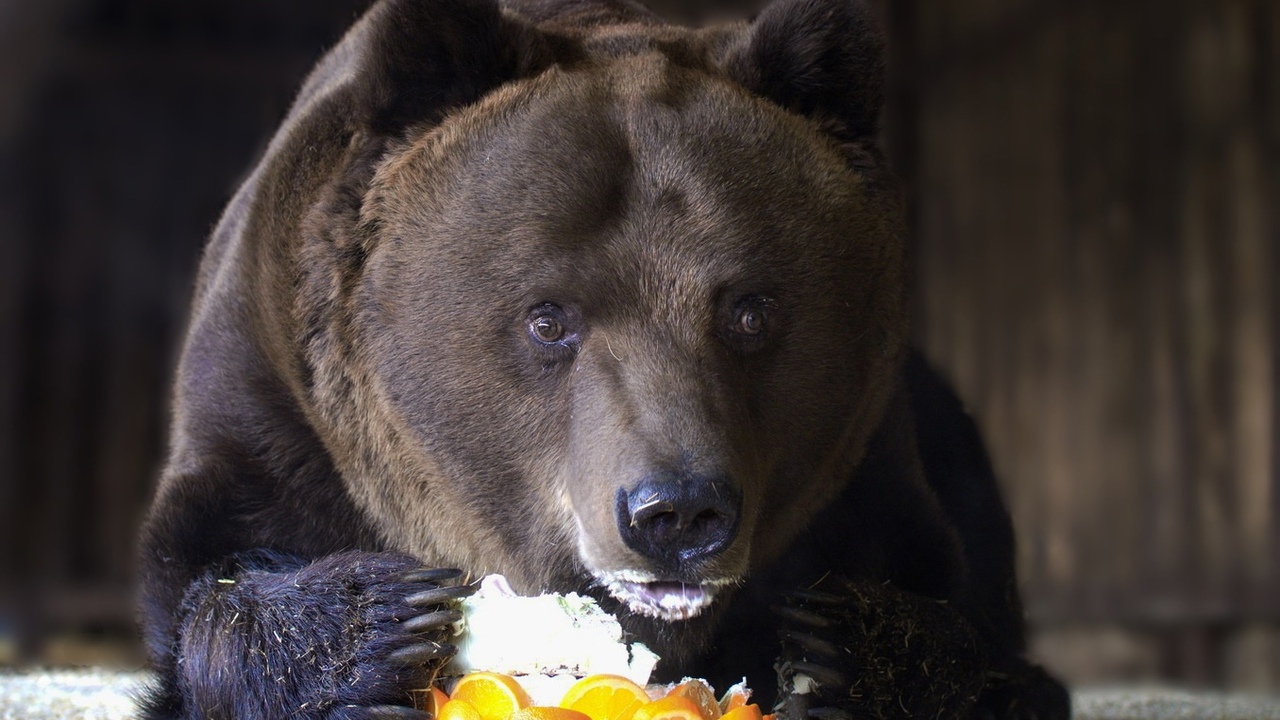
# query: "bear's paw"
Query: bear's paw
854,651
351,636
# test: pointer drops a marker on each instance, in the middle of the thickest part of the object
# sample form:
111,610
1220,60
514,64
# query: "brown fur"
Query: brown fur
359,373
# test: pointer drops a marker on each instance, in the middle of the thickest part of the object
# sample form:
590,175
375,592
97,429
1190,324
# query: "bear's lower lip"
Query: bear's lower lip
666,600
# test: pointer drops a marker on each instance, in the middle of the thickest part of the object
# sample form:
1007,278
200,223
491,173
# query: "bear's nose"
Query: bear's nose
679,518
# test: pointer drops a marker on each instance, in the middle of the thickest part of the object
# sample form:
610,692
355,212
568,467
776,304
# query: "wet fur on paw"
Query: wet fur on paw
873,651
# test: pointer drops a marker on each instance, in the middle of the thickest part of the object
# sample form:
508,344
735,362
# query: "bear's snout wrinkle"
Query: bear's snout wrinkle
678,519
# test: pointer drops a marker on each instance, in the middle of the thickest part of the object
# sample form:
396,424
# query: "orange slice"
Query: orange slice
605,697
671,707
456,710
543,712
735,698
493,695
700,693
745,712
435,700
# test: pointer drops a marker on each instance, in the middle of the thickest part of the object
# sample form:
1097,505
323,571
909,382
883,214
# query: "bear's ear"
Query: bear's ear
819,58
427,57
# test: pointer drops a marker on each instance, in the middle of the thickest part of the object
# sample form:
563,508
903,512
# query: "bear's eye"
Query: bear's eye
750,321
547,328
547,325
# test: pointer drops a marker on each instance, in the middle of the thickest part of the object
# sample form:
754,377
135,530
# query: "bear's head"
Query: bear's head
604,304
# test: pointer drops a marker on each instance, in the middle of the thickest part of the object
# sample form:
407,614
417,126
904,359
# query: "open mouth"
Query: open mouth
667,600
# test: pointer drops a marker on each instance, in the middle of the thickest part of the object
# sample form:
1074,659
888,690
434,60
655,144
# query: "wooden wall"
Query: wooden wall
119,145
1095,193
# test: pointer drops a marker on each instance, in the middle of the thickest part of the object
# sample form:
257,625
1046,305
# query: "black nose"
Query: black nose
676,518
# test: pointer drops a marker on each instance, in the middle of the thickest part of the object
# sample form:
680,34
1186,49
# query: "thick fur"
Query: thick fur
706,220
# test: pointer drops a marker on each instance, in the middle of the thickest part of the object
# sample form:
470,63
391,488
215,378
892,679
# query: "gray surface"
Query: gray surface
68,695
1169,704
101,695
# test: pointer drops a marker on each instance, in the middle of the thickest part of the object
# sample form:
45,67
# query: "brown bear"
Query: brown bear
558,290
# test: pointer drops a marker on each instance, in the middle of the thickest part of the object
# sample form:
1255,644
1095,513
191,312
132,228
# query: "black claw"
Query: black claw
824,675
829,713
805,617
397,712
383,712
811,644
428,575
422,653
817,596
436,596
431,620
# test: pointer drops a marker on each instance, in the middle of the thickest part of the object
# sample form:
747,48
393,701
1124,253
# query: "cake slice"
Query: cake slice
546,642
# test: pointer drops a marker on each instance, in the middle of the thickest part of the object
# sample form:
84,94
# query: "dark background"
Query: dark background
1095,189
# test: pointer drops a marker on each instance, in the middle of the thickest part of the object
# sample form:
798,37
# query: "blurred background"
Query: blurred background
1095,189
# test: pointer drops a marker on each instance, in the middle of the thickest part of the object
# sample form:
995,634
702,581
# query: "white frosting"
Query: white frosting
554,635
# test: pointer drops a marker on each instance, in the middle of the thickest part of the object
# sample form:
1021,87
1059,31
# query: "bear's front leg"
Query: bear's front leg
268,636
855,651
